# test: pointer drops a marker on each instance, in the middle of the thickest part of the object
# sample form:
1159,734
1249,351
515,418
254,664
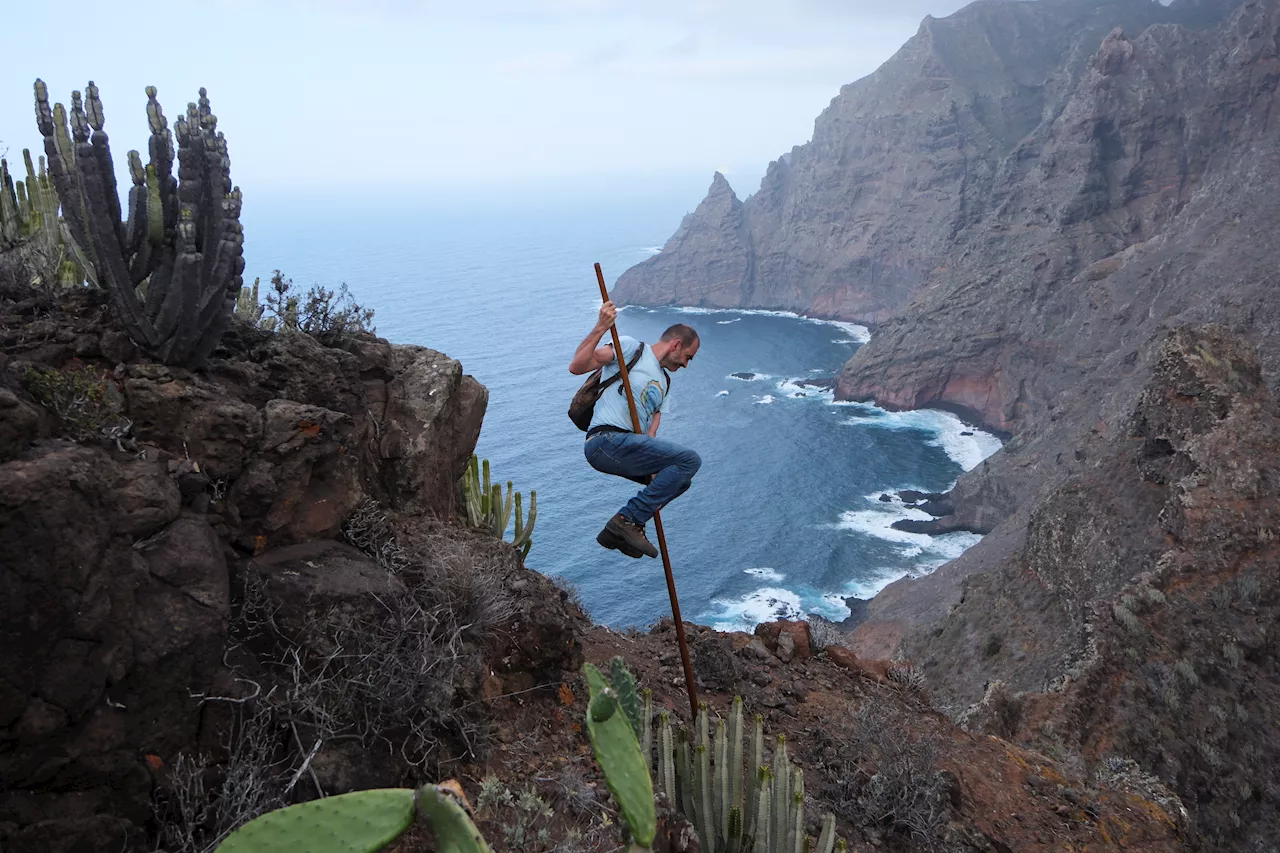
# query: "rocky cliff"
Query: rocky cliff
176,545
1138,618
858,221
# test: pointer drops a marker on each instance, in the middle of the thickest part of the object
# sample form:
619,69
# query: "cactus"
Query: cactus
487,509
361,821
173,268
760,810
29,221
618,752
624,685
450,821
522,538
248,308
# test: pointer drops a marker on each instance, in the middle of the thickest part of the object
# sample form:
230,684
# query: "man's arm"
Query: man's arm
653,425
587,357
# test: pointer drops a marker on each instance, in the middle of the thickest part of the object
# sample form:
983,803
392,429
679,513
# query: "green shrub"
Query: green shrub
80,398
333,318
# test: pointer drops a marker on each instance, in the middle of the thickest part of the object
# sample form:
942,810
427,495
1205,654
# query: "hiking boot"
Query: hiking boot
614,542
626,536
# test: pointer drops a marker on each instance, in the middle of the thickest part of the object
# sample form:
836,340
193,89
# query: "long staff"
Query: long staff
657,518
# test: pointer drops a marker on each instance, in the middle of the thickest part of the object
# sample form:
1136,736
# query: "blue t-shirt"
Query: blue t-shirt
648,386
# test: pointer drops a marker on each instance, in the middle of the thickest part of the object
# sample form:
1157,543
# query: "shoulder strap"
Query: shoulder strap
631,362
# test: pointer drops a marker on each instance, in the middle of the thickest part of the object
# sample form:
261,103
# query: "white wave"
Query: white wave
798,388
766,604
870,587
858,334
722,393
765,400
847,341
834,607
930,551
771,575
948,431
727,322
753,376
653,250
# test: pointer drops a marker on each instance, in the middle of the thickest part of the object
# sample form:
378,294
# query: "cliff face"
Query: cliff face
856,222
1138,618
1146,204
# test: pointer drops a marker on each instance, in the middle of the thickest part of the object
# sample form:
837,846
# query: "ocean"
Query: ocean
786,516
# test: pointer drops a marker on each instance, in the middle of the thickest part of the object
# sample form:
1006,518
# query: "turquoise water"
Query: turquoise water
783,519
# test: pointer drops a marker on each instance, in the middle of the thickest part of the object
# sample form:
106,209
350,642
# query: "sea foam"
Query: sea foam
931,551
799,388
766,604
967,450
856,334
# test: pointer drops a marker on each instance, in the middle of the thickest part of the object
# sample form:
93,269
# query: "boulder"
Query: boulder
798,643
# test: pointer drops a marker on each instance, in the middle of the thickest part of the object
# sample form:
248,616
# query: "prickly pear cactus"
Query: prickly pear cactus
450,821
624,685
360,822
618,752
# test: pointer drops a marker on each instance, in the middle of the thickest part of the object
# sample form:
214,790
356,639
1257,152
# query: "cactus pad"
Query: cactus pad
618,753
350,823
452,825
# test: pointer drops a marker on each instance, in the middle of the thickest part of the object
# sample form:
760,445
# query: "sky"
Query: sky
393,92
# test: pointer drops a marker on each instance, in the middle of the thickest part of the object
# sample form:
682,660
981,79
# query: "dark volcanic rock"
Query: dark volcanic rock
932,527
120,538
1156,559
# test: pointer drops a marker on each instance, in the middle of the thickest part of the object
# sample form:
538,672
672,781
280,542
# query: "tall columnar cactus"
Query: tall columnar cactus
173,268
249,308
29,220
487,508
760,810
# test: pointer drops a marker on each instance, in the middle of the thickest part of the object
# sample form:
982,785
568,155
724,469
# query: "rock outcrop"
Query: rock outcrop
136,503
1138,618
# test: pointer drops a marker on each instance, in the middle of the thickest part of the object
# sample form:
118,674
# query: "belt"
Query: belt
596,430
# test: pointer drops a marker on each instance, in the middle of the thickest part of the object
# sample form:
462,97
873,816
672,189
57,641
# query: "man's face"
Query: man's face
679,355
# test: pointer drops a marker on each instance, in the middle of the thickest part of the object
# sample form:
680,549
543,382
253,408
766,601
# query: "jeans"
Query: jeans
635,457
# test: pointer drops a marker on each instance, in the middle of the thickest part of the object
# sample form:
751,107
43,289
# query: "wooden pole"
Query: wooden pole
657,517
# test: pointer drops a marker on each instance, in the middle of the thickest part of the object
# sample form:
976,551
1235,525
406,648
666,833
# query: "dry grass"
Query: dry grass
397,674
886,781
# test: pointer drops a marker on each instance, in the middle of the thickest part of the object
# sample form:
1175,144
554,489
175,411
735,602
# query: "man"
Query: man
665,469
